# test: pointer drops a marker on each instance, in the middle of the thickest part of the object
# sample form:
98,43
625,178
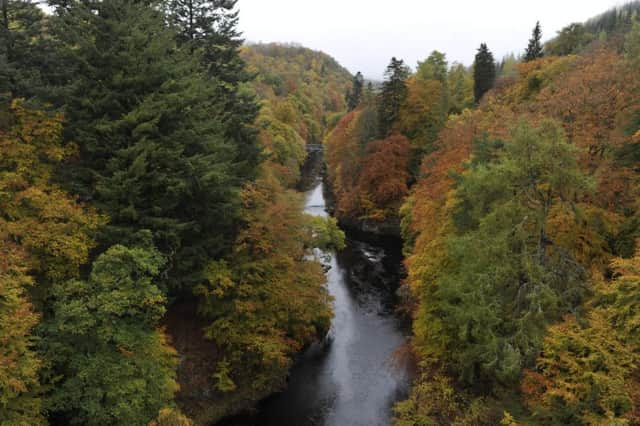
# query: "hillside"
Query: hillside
520,222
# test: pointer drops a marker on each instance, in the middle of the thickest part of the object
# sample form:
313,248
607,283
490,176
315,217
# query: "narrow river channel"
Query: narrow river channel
353,379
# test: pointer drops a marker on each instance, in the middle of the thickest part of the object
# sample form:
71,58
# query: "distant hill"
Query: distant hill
312,82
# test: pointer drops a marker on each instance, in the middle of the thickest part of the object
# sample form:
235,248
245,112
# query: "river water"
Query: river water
354,378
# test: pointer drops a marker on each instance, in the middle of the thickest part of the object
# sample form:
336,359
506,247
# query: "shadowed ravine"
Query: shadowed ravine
352,379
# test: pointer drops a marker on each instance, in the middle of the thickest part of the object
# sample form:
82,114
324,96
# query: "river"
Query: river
352,379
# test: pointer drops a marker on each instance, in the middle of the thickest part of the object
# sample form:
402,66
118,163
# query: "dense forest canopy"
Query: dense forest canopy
157,268
145,168
514,186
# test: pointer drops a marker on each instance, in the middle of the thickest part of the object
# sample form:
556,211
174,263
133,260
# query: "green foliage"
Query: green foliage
505,278
154,147
570,40
268,300
109,362
44,235
23,50
311,82
614,19
534,49
354,96
632,46
484,72
394,93
209,27
587,373
327,235
435,67
460,89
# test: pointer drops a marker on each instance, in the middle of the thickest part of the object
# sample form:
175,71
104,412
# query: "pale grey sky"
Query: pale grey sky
363,35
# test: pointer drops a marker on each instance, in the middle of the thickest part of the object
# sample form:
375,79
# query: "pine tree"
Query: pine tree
354,96
394,92
484,72
22,49
502,221
209,27
152,129
534,49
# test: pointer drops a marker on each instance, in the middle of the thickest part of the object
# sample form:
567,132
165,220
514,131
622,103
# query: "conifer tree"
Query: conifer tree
484,72
394,92
534,49
23,54
354,96
209,27
152,130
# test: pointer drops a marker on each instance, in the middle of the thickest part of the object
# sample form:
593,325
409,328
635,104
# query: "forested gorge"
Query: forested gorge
157,266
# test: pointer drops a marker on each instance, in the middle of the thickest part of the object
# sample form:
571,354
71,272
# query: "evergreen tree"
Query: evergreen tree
394,92
354,96
484,72
23,54
209,27
506,279
152,133
534,49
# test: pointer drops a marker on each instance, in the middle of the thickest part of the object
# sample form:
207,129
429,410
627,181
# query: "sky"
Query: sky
363,35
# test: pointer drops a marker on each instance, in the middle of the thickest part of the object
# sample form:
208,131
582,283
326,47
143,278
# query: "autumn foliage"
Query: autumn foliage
574,358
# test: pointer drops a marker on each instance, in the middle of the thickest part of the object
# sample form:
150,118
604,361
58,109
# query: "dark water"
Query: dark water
353,379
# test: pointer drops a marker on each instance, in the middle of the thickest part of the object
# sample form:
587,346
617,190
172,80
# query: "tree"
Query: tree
422,115
354,96
383,182
20,402
209,27
433,68
569,40
534,49
45,237
484,72
632,45
506,278
21,52
267,301
587,372
111,362
394,92
155,151
460,82
50,225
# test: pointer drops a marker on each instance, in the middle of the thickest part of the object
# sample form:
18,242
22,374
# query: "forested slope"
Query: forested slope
146,192
514,185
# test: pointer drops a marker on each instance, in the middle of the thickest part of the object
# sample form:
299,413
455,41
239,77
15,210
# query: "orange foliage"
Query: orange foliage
49,224
383,181
342,154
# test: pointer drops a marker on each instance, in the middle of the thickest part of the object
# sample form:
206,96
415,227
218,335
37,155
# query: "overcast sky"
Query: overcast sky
363,35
